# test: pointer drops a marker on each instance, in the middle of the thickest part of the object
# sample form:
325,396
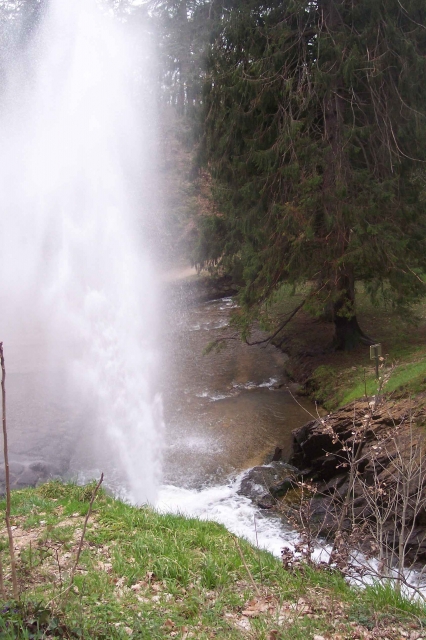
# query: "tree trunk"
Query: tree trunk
183,65
347,332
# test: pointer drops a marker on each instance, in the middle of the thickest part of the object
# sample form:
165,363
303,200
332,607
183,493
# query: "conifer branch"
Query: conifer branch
280,328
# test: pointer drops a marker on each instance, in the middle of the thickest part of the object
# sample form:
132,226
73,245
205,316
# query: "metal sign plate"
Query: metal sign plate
375,351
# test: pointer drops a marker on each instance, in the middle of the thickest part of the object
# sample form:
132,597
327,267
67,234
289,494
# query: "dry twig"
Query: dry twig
255,587
80,545
83,533
7,478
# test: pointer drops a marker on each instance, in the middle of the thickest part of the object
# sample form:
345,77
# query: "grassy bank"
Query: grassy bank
336,378
146,575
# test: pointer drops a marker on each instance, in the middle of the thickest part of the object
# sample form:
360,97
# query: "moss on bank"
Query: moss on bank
334,378
334,387
146,575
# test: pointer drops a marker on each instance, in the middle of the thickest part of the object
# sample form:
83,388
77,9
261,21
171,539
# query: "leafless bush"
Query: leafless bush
393,487
300,516
377,524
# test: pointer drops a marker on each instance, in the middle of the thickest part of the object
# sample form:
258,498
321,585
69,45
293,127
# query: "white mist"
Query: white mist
77,286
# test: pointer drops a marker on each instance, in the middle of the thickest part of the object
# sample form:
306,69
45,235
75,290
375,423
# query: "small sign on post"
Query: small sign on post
375,353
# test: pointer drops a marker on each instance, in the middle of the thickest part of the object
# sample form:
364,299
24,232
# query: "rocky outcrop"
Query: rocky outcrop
26,474
266,483
380,447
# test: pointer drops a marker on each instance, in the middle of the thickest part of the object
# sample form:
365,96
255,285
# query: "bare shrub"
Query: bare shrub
376,526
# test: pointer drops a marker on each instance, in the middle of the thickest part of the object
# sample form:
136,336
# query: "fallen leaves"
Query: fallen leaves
257,606
318,604
190,611
169,624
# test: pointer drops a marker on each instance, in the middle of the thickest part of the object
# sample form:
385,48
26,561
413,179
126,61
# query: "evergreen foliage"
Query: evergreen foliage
184,28
315,134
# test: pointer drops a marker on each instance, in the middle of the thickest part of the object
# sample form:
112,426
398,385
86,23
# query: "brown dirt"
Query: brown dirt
307,340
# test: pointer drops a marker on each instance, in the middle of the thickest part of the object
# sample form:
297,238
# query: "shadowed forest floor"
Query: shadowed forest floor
334,378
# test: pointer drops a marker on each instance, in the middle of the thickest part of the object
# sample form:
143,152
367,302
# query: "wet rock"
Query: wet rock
322,516
40,467
266,501
417,544
29,474
273,479
256,482
421,518
325,467
279,489
277,454
28,478
338,483
321,444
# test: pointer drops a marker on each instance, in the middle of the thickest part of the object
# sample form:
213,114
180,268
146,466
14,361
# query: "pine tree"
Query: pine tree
184,28
315,134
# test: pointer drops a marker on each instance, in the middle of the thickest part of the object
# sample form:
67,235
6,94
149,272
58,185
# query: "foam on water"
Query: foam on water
237,513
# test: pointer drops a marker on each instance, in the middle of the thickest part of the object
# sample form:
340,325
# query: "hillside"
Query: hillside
146,575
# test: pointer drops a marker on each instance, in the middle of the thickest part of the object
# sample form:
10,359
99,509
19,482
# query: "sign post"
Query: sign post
375,353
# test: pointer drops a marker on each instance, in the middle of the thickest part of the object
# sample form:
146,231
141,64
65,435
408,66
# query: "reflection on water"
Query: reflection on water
223,411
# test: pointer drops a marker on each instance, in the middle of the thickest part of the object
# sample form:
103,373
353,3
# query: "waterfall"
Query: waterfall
77,280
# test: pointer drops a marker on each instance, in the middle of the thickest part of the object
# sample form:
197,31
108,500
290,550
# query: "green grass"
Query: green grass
335,378
334,387
146,575
407,379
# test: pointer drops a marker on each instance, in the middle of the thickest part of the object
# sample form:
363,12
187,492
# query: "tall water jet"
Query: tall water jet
77,283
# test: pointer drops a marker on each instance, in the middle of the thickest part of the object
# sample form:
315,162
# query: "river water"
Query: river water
224,412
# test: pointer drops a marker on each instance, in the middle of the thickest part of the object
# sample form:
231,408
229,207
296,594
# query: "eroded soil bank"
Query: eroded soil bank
359,473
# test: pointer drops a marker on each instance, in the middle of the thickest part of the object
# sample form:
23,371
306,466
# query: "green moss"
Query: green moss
322,386
333,387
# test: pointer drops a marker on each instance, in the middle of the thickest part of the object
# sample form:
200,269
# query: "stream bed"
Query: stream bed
224,412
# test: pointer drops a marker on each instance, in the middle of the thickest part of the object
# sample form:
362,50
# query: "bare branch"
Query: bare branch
7,476
83,533
280,328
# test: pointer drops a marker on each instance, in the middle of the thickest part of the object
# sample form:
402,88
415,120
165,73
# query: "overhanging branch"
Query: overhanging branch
280,328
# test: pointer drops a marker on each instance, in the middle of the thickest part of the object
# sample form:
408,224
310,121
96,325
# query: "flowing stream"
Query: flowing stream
80,317
224,412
